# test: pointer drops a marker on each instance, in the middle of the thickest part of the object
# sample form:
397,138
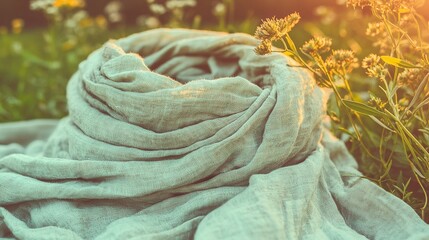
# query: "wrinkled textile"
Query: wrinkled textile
181,134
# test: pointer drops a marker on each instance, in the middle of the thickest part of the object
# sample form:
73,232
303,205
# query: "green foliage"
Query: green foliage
36,67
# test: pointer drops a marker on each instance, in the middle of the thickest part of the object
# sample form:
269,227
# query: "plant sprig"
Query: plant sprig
396,113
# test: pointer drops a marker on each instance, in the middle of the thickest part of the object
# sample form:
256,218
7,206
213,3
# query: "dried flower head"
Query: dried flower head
373,67
342,60
264,48
292,20
377,71
268,30
317,45
411,77
370,61
273,29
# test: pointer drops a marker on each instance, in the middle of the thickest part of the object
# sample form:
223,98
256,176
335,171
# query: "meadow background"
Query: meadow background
43,41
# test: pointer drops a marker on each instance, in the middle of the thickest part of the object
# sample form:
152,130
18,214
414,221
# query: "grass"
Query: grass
35,72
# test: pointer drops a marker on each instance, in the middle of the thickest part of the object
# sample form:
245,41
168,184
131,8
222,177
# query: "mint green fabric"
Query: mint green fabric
184,134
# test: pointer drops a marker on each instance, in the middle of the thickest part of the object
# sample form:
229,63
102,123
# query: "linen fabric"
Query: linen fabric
185,134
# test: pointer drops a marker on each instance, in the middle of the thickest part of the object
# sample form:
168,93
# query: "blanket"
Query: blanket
185,134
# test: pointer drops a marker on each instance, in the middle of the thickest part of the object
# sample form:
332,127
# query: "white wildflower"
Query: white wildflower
152,22
40,4
172,4
113,7
113,11
219,10
157,9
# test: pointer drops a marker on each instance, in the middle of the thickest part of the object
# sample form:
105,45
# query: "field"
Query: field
379,106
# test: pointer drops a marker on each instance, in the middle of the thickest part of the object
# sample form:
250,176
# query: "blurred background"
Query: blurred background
43,41
133,10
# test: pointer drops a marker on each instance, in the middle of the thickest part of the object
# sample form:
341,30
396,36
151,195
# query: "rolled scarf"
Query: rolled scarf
185,134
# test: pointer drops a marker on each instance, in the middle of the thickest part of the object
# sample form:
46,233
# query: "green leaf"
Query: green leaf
418,92
364,109
407,195
398,62
417,171
291,43
387,170
288,53
347,132
380,123
423,103
404,10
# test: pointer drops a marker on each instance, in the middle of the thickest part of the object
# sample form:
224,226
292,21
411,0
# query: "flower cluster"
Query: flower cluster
272,29
316,46
382,6
373,67
342,60
264,48
374,29
377,103
411,77
377,31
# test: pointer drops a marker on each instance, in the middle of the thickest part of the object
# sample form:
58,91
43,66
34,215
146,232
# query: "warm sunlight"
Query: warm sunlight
214,119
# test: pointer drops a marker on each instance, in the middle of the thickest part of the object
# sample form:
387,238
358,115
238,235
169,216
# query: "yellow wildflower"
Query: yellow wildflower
86,22
17,25
69,44
69,3
101,21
